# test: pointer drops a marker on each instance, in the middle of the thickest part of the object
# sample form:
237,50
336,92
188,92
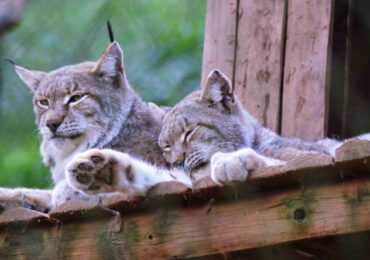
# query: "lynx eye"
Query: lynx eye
187,135
44,103
167,148
76,98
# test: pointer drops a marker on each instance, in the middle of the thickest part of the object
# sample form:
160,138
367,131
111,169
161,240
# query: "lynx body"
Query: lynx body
85,106
209,132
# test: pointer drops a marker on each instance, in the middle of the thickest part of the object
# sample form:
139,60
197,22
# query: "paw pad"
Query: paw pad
85,167
91,171
84,178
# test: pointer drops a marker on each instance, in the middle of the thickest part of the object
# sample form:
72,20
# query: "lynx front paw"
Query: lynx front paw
231,167
227,168
96,171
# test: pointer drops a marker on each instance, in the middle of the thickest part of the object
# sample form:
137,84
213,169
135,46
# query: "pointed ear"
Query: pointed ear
218,89
110,64
31,78
159,111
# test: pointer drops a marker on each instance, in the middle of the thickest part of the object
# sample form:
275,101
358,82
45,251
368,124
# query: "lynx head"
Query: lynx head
79,103
202,124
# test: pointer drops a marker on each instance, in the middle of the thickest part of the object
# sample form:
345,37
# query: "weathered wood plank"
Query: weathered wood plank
352,149
209,228
305,170
305,90
259,58
19,216
219,37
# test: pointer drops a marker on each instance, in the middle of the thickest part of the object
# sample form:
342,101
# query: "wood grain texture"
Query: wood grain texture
219,37
18,216
305,93
352,149
204,229
259,58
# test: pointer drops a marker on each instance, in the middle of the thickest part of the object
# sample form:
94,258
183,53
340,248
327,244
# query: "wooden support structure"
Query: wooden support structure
310,197
259,56
283,83
305,88
219,37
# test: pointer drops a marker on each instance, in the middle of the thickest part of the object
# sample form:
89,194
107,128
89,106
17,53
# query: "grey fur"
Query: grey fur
217,122
111,115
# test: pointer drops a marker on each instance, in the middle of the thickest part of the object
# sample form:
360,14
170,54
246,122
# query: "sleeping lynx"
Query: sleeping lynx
212,126
84,106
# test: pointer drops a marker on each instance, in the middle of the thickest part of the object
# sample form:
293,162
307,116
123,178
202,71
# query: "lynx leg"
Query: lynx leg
101,171
96,171
63,192
35,199
230,167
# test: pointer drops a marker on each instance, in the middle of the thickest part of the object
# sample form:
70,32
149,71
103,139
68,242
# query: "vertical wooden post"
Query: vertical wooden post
219,37
305,91
259,58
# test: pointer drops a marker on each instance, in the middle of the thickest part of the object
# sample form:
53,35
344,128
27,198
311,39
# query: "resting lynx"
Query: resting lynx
91,105
212,126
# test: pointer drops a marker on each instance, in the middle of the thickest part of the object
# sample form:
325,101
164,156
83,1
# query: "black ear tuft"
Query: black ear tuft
110,31
10,61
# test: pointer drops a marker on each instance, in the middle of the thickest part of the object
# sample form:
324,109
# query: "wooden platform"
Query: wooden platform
277,209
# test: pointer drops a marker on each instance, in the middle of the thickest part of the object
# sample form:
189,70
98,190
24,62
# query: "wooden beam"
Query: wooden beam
352,149
219,37
259,54
203,229
310,197
307,55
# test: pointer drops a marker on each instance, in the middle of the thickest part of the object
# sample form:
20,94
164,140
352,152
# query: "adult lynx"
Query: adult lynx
211,128
84,106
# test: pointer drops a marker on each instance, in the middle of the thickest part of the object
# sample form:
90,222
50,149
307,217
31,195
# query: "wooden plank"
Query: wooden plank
305,170
352,149
259,58
19,216
348,246
219,37
276,175
305,91
205,229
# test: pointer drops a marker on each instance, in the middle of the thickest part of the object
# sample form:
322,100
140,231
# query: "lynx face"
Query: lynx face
77,102
79,106
202,124
68,104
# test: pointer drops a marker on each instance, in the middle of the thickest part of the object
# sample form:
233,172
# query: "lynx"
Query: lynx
210,132
88,115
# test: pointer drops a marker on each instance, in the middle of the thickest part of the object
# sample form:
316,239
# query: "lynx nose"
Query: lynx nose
53,124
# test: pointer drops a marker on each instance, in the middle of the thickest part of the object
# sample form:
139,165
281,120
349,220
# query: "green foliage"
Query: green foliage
21,166
162,42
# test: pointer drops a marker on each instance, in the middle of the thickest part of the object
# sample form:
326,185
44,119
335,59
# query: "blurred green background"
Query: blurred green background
162,42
